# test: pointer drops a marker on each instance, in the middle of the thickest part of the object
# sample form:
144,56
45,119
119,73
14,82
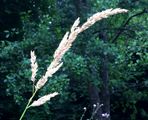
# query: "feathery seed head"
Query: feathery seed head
75,25
43,99
50,71
34,66
100,15
69,38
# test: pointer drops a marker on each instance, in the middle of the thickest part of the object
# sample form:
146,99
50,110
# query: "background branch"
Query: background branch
120,31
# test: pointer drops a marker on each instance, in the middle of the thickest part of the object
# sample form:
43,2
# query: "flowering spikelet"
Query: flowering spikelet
34,66
55,65
69,38
43,99
61,50
100,15
50,71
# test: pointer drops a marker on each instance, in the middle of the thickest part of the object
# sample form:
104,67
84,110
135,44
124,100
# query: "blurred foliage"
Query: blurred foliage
39,25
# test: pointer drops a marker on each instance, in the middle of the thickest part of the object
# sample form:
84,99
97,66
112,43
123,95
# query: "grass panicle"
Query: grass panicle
63,47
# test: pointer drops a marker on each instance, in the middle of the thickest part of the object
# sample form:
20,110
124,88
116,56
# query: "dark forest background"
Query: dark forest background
107,63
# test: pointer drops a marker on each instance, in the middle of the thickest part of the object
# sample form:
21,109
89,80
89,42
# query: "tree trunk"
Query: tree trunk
94,99
105,87
105,81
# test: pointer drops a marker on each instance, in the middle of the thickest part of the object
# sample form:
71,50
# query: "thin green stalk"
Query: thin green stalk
27,106
83,114
95,111
33,88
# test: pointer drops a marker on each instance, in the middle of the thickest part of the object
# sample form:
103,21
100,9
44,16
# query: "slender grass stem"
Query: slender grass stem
33,88
83,114
27,106
95,110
